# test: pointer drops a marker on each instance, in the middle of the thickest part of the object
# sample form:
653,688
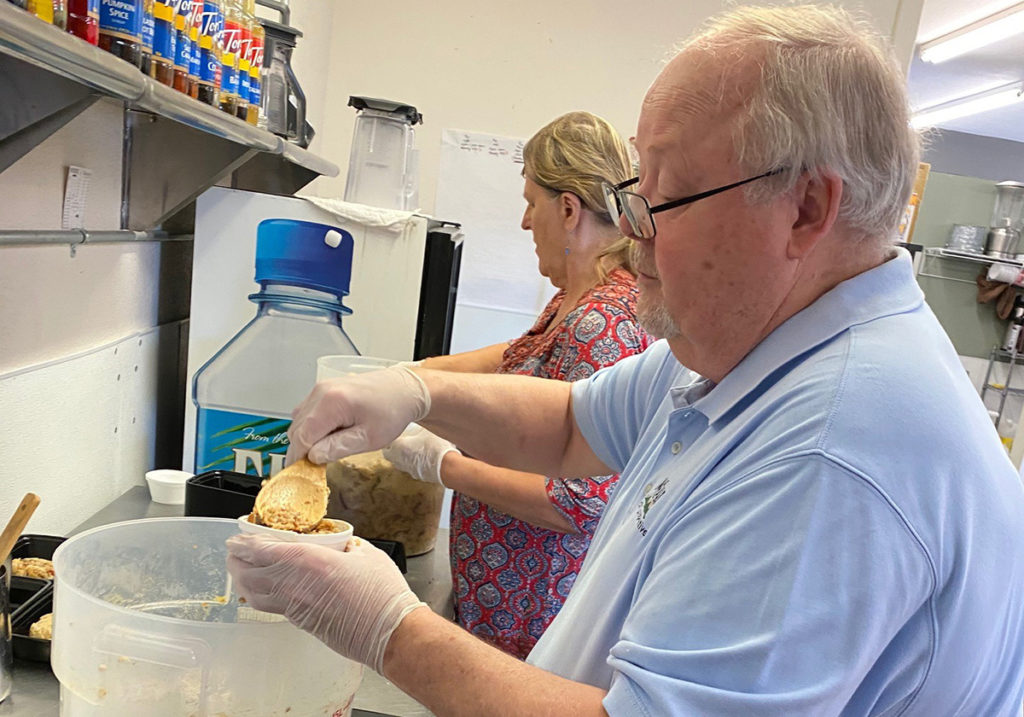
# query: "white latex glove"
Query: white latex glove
351,601
355,414
419,453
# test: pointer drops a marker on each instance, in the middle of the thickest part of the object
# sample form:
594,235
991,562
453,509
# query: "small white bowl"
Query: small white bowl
167,485
338,540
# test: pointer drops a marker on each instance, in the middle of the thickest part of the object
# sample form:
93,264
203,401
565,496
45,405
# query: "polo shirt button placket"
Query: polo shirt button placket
676,447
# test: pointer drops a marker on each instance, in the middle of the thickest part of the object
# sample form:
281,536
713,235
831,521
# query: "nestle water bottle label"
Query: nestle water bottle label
240,442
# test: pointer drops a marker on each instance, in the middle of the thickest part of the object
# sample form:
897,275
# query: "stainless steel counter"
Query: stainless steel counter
36,691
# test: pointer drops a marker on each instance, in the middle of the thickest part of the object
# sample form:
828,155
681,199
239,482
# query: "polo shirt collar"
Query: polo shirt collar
886,290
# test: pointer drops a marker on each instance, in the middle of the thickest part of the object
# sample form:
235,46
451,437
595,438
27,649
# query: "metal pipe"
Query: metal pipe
281,6
78,237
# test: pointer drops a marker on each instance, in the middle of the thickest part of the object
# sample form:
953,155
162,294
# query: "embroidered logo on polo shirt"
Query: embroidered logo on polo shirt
652,494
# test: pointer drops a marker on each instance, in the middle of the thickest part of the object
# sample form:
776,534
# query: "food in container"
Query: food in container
40,568
291,505
383,502
42,629
293,499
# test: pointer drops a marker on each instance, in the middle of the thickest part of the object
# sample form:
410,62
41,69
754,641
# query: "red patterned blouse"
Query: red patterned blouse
511,577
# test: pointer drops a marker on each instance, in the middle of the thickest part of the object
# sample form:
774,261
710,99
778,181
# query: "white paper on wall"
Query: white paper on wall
480,183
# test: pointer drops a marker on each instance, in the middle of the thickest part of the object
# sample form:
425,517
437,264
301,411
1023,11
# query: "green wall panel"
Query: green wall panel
950,199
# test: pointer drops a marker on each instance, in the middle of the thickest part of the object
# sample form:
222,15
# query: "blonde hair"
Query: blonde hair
830,95
575,153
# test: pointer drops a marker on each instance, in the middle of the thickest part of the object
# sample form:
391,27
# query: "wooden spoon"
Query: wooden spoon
293,499
16,525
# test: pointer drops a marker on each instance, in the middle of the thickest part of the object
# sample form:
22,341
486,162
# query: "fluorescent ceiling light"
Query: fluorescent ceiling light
970,105
1003,24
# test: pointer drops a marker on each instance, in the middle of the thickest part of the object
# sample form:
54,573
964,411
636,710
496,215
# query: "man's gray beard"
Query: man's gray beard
655,319
651,314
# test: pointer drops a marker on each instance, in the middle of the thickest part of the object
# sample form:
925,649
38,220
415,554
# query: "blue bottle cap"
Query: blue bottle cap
316,256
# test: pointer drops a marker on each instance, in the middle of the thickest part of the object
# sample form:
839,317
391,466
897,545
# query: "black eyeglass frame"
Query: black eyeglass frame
617,190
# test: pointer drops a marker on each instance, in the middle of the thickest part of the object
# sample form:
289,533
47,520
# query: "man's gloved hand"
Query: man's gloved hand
352,601
419,453
355,414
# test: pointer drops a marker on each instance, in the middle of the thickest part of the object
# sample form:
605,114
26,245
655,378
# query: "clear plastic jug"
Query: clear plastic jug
383,164
145,623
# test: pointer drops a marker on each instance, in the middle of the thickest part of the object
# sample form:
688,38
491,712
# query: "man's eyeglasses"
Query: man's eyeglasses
639,213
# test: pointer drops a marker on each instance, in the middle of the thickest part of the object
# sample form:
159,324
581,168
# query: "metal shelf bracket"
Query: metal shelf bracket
175,147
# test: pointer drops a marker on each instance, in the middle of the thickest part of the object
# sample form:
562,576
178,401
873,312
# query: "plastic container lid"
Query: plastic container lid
407,112
337,365
316,256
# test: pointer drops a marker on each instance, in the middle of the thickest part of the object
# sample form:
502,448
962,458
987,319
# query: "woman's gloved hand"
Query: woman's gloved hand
419,453
352,601
355,414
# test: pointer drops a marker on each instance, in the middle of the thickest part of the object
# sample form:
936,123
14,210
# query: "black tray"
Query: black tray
394,549
36,546
221,494
24,589
32,648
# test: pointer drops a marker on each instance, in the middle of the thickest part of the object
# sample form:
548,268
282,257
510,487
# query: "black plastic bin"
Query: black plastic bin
32,648
24,589
36,546
221,494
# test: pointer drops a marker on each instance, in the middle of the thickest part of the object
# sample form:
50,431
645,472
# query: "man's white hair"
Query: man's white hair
830,95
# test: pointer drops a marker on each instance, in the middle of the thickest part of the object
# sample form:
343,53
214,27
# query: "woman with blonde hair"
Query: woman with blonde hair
518,539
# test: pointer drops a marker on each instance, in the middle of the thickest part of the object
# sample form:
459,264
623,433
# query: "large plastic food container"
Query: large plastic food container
367,490
146,623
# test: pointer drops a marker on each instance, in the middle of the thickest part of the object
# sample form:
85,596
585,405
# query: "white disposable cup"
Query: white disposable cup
336,540
167,485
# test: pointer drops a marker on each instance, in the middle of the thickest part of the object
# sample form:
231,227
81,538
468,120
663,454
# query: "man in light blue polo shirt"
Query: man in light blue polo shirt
814,517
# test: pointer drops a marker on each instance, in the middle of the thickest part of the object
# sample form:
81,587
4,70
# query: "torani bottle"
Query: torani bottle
209,52
121,29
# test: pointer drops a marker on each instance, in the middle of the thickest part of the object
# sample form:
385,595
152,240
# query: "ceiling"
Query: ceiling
983,69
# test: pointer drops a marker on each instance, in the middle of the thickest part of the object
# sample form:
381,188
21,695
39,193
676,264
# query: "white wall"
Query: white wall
79,350
509,68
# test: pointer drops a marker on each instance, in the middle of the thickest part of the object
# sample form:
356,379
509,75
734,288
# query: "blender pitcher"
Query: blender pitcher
382,169
1007,221
283,101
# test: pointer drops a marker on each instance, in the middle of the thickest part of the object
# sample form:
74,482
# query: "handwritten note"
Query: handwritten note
480,185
